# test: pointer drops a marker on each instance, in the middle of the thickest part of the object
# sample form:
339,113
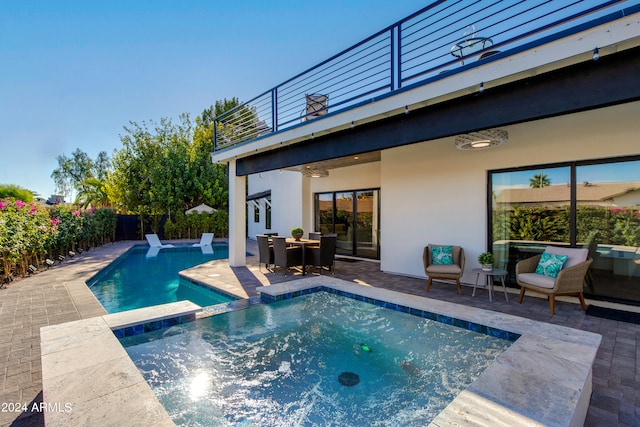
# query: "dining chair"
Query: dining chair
322,256
266,251
285,256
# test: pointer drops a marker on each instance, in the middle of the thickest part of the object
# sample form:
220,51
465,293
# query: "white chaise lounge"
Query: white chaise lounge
205,240
154,241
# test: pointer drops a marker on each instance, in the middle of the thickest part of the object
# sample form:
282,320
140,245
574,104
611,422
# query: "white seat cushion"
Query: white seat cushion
537,280
576,255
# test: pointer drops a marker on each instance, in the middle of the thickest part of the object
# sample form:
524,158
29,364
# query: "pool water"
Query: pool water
317,359
141,278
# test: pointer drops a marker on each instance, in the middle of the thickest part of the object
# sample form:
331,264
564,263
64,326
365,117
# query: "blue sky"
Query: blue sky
598,173
75,72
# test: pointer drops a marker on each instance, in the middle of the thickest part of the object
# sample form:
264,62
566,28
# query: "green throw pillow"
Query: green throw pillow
550,265
442,255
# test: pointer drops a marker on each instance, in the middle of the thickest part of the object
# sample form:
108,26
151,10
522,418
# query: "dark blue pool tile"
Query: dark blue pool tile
403,309
461,323
130,331
445,319
166,323
498,333
415,312
267,299
119,333
153,326
512,336
429,315
482,329
392,306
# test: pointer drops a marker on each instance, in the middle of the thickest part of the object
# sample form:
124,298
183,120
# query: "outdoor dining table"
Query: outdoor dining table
304,243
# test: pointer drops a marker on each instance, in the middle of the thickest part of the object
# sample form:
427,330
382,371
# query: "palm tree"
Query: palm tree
539,180
93,192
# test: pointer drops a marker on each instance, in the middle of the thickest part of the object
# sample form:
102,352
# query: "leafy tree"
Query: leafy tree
539,180
165,168
240,123
16,192
73,171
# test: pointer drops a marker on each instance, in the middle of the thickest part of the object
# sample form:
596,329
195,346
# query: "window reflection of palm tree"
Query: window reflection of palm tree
539,180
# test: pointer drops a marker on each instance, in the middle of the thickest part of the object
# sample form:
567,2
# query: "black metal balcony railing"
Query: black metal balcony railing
442,38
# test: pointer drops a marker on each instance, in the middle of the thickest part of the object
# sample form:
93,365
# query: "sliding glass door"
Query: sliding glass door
354,217
594,205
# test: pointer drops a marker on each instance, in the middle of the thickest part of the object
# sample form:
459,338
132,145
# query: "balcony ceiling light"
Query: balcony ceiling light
482,139
314,172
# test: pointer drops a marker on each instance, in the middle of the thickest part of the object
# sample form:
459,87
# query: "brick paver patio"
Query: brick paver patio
60,295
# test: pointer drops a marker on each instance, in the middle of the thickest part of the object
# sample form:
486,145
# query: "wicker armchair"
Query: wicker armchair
570,280
451,272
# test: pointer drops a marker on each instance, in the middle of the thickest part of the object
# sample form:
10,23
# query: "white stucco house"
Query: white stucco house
428,120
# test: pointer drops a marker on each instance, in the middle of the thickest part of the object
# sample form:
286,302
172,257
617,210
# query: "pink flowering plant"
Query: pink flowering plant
31,232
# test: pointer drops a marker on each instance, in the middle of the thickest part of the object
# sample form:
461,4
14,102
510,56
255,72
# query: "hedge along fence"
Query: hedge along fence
607,225
31,233
191,226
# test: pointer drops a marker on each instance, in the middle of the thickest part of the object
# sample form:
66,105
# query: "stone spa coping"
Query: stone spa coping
543,379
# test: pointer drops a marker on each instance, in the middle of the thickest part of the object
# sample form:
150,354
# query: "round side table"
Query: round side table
489,275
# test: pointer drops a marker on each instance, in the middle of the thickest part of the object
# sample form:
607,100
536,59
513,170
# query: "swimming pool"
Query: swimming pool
143,277
317,359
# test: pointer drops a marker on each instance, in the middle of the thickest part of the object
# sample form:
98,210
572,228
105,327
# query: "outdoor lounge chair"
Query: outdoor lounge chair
154,241
205,240
569,281
322,256
284,256
436,268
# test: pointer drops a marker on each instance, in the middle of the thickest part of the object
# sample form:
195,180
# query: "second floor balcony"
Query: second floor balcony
444,40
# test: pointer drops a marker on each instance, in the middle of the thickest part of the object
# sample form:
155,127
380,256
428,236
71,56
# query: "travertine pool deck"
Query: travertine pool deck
60,295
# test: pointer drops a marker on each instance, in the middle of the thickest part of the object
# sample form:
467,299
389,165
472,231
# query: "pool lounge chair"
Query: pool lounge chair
205,240
154,241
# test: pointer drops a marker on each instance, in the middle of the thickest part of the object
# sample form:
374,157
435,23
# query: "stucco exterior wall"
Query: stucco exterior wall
434,193
286,195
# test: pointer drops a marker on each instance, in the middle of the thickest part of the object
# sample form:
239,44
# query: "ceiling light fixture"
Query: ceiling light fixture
482,139
314,172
